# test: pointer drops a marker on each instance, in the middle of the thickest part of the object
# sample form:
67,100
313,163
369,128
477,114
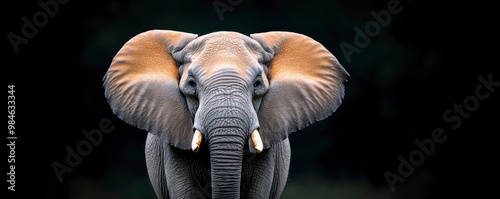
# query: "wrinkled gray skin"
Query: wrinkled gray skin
225,85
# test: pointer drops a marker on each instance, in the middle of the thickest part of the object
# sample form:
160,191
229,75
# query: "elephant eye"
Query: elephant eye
257,83
192,83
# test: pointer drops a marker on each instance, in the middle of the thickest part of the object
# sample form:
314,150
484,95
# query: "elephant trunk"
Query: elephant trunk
225,117
226,153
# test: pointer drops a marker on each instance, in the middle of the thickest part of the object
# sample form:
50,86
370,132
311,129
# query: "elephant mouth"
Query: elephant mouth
255,141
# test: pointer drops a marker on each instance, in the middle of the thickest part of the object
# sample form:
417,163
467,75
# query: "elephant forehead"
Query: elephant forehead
224,52
226,68
221,44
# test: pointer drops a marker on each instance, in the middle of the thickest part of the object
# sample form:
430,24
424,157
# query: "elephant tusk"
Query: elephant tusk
195,145
257,141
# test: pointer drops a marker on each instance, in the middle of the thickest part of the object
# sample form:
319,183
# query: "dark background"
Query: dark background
426,59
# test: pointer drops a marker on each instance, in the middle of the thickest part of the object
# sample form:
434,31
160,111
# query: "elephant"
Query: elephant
218,108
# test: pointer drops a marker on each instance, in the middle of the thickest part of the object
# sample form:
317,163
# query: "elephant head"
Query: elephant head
223,91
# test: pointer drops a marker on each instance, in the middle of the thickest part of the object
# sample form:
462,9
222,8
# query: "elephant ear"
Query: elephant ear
141,86
306,84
